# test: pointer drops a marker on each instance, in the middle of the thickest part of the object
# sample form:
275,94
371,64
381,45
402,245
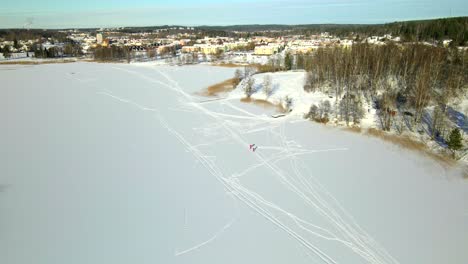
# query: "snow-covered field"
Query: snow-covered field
117,163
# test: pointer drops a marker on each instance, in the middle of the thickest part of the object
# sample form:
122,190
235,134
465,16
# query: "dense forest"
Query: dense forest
395,79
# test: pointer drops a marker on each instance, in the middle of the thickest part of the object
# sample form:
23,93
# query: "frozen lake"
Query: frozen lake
117,163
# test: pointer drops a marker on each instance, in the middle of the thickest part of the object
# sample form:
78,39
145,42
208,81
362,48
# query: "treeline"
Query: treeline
52,52
112,53
401,79
69,49
421,30
455,29
28,34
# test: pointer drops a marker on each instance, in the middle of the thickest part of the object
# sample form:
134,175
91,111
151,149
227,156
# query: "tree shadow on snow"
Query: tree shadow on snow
458,118
274,88
427,125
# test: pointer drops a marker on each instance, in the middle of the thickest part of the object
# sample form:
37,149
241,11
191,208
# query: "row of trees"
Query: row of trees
112,53
70,49
437,29
52,52
249,82
319,113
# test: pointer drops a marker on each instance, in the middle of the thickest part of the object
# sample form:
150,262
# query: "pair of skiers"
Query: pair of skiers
253,147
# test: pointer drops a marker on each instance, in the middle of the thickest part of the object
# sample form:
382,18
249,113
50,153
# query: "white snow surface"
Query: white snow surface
124,163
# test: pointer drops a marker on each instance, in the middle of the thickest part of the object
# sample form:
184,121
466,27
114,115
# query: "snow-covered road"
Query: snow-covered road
116,163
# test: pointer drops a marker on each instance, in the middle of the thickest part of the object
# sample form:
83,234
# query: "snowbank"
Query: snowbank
284,84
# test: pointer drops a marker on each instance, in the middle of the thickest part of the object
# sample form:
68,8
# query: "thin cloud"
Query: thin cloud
239,12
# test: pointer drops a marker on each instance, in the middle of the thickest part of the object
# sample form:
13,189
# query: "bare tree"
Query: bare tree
351,108
345,108
357,111
325,108
437,123
237,77
218,54
195,57
151,53
421,92
248,71
387,112
267,85
288,101
249,86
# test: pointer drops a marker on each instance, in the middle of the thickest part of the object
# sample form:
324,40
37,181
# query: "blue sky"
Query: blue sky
106,13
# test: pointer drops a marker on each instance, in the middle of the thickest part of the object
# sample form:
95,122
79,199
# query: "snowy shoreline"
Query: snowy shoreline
290,85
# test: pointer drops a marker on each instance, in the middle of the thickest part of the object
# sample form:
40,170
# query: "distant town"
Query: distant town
184,45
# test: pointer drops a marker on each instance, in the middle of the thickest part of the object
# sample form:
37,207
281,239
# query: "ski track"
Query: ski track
225,227
298,180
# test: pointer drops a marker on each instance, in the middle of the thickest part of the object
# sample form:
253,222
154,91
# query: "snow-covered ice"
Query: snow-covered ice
118,163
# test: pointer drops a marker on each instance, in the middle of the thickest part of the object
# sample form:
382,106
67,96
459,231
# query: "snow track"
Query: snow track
102,162
341,228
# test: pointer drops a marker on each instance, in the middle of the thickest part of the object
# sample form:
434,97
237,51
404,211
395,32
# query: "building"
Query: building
346,43
210,49
303,49
236,45
266,49
99,38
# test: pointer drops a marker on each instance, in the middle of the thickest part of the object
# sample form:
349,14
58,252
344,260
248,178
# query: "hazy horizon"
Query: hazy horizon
53,14
226,25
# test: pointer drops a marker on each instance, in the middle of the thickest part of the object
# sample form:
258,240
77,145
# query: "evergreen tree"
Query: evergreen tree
455,140
15,44
313,112
6,51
